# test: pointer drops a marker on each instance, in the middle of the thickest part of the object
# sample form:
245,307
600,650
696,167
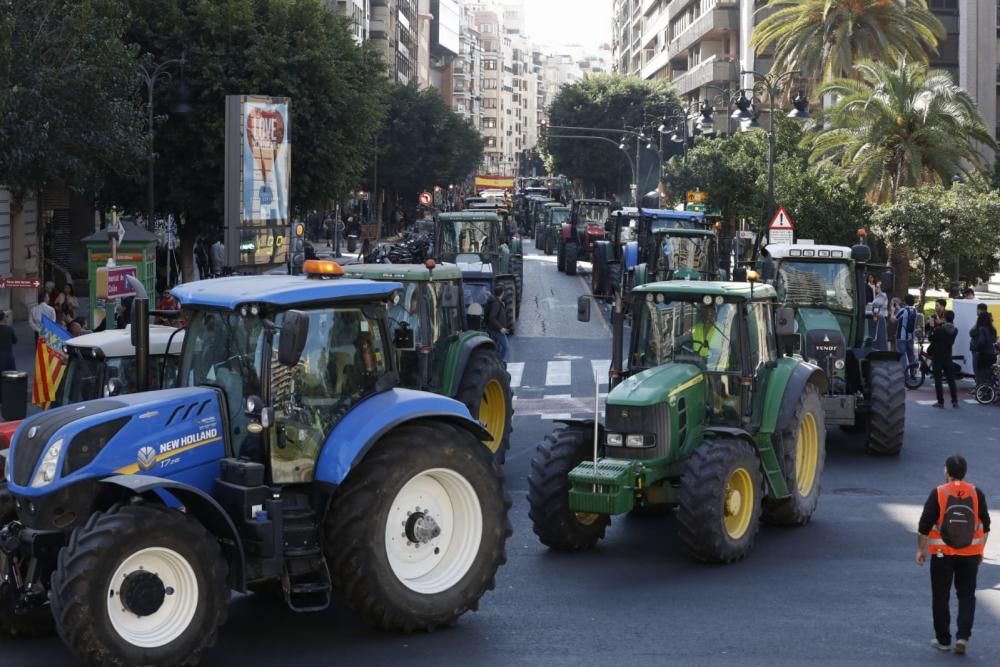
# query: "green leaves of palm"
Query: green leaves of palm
823,38
900,125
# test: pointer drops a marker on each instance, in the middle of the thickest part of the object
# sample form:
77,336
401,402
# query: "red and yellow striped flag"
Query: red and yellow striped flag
50,363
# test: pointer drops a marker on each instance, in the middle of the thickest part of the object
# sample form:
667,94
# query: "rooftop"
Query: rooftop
685,289
278,290
470,216
403,272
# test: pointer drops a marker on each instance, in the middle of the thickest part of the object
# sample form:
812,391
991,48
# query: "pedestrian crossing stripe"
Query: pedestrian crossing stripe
559,373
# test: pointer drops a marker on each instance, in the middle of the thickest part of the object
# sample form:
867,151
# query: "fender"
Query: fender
363,426
458,358
566,231
798,376
631,254
200,505
641,274
875,355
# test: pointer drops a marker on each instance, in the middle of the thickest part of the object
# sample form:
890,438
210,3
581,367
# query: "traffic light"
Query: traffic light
543,128
297,248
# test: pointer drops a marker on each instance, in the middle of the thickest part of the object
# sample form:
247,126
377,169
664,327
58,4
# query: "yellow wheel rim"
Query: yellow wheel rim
738,503
493,413
806,454
586,518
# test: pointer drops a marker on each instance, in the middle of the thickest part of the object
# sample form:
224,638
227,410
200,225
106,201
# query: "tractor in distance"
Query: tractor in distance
707,417
288,460
824,286
533,213
552,217
440,348
585,226
475,241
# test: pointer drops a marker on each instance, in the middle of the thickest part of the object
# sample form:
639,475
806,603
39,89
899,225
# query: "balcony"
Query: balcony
711,70
709,25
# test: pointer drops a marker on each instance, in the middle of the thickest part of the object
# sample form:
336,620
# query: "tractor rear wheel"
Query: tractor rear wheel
416,533
561,257
37,621
803,453
887,412
571,253
510,306
552,520
547,243
614,281
598,274
517,268
140,584
720,496
484,388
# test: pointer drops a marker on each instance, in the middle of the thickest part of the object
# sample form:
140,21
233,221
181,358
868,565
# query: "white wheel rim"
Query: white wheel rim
438,564
179,606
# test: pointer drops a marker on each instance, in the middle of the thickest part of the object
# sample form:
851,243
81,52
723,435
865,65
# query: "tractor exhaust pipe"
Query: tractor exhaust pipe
140,333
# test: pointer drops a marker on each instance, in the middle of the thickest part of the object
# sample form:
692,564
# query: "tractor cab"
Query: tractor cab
587,222
676,245
552,217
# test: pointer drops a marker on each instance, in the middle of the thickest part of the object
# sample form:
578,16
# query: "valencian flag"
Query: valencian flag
50,362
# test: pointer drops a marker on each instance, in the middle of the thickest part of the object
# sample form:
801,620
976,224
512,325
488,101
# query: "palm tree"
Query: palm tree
900,125
824,38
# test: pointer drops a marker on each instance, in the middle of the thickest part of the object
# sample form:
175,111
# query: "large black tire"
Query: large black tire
707,496
510,306
569,261
548,492
561,257
517,268
357,523
548,244
36,622
614,277
598,274
485,380
85,578
887,414
801,462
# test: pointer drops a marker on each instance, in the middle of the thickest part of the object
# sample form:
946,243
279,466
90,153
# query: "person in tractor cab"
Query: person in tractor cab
706,335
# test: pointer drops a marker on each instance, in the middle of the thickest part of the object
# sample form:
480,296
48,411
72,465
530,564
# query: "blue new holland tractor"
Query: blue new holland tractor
287,462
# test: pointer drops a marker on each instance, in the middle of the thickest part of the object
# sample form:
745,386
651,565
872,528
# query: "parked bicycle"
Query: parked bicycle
989,392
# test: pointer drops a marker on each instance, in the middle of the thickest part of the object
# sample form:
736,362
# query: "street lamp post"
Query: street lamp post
634,187
151,74
746,111
706,122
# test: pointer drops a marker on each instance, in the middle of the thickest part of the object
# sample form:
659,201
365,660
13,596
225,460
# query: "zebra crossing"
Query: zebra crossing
561,388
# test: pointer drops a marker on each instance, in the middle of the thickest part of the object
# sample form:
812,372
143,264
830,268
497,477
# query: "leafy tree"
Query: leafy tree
423,143
941,224
900,126
302,50
68,98
604,101
824,38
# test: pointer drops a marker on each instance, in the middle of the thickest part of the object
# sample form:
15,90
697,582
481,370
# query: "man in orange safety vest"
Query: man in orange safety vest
953,529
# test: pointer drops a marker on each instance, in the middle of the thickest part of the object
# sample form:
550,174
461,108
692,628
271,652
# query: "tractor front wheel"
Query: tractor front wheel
140,584
556,525
484,388
561,257
720,501
803,449
416,532
569,260
887,412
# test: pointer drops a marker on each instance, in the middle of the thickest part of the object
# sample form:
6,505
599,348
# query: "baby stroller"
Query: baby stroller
988,392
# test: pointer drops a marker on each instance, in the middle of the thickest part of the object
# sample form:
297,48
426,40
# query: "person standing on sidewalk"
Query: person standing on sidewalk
7,339
906,322
39,310
942,338
953,528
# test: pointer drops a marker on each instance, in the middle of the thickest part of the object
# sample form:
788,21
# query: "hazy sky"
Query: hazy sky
554,23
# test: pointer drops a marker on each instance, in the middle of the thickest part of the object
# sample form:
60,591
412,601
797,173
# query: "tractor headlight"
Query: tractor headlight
839,364
614,439
640,440
47,470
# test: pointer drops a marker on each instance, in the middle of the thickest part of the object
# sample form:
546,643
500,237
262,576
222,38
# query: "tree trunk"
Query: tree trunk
899,259
924,283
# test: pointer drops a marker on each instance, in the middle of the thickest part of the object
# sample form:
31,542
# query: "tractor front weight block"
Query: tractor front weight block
608,488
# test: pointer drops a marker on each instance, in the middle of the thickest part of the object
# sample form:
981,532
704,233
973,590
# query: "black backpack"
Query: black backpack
958,525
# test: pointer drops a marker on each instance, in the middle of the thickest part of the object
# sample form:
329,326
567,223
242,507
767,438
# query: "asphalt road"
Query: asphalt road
842,590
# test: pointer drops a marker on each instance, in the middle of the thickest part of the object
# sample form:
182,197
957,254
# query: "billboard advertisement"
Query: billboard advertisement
258,179
446,27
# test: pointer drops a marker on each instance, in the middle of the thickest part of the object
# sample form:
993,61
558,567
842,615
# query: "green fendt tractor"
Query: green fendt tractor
707,417
438,351
478,243
824,286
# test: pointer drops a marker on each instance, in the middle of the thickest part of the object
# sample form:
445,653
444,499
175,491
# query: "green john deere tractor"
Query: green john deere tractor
824,287
553,216
707,417
478,242
438,350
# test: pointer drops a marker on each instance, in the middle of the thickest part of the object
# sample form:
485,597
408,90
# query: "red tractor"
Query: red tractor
585,226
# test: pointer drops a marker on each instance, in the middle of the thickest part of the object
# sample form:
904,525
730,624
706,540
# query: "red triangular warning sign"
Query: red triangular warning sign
781,220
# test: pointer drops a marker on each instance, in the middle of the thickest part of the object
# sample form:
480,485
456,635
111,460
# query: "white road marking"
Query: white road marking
926,402
553,416
557,373
516,370
600,367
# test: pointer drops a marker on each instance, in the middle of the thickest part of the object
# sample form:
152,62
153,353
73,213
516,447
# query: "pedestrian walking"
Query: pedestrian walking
38,311
7,339
496,322
982,344
906,322
953,528
201,258
218,256
941,350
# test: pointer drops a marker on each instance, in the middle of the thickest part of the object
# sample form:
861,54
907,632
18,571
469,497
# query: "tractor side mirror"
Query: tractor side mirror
583,309
294,330
888,280
784,321
403,339
861,253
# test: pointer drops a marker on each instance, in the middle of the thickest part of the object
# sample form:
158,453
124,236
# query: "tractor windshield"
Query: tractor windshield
824,284
592,214
559,217
689,256
686,332
465,237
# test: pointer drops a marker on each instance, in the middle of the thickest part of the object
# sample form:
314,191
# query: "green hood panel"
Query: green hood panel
817,319
656,385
